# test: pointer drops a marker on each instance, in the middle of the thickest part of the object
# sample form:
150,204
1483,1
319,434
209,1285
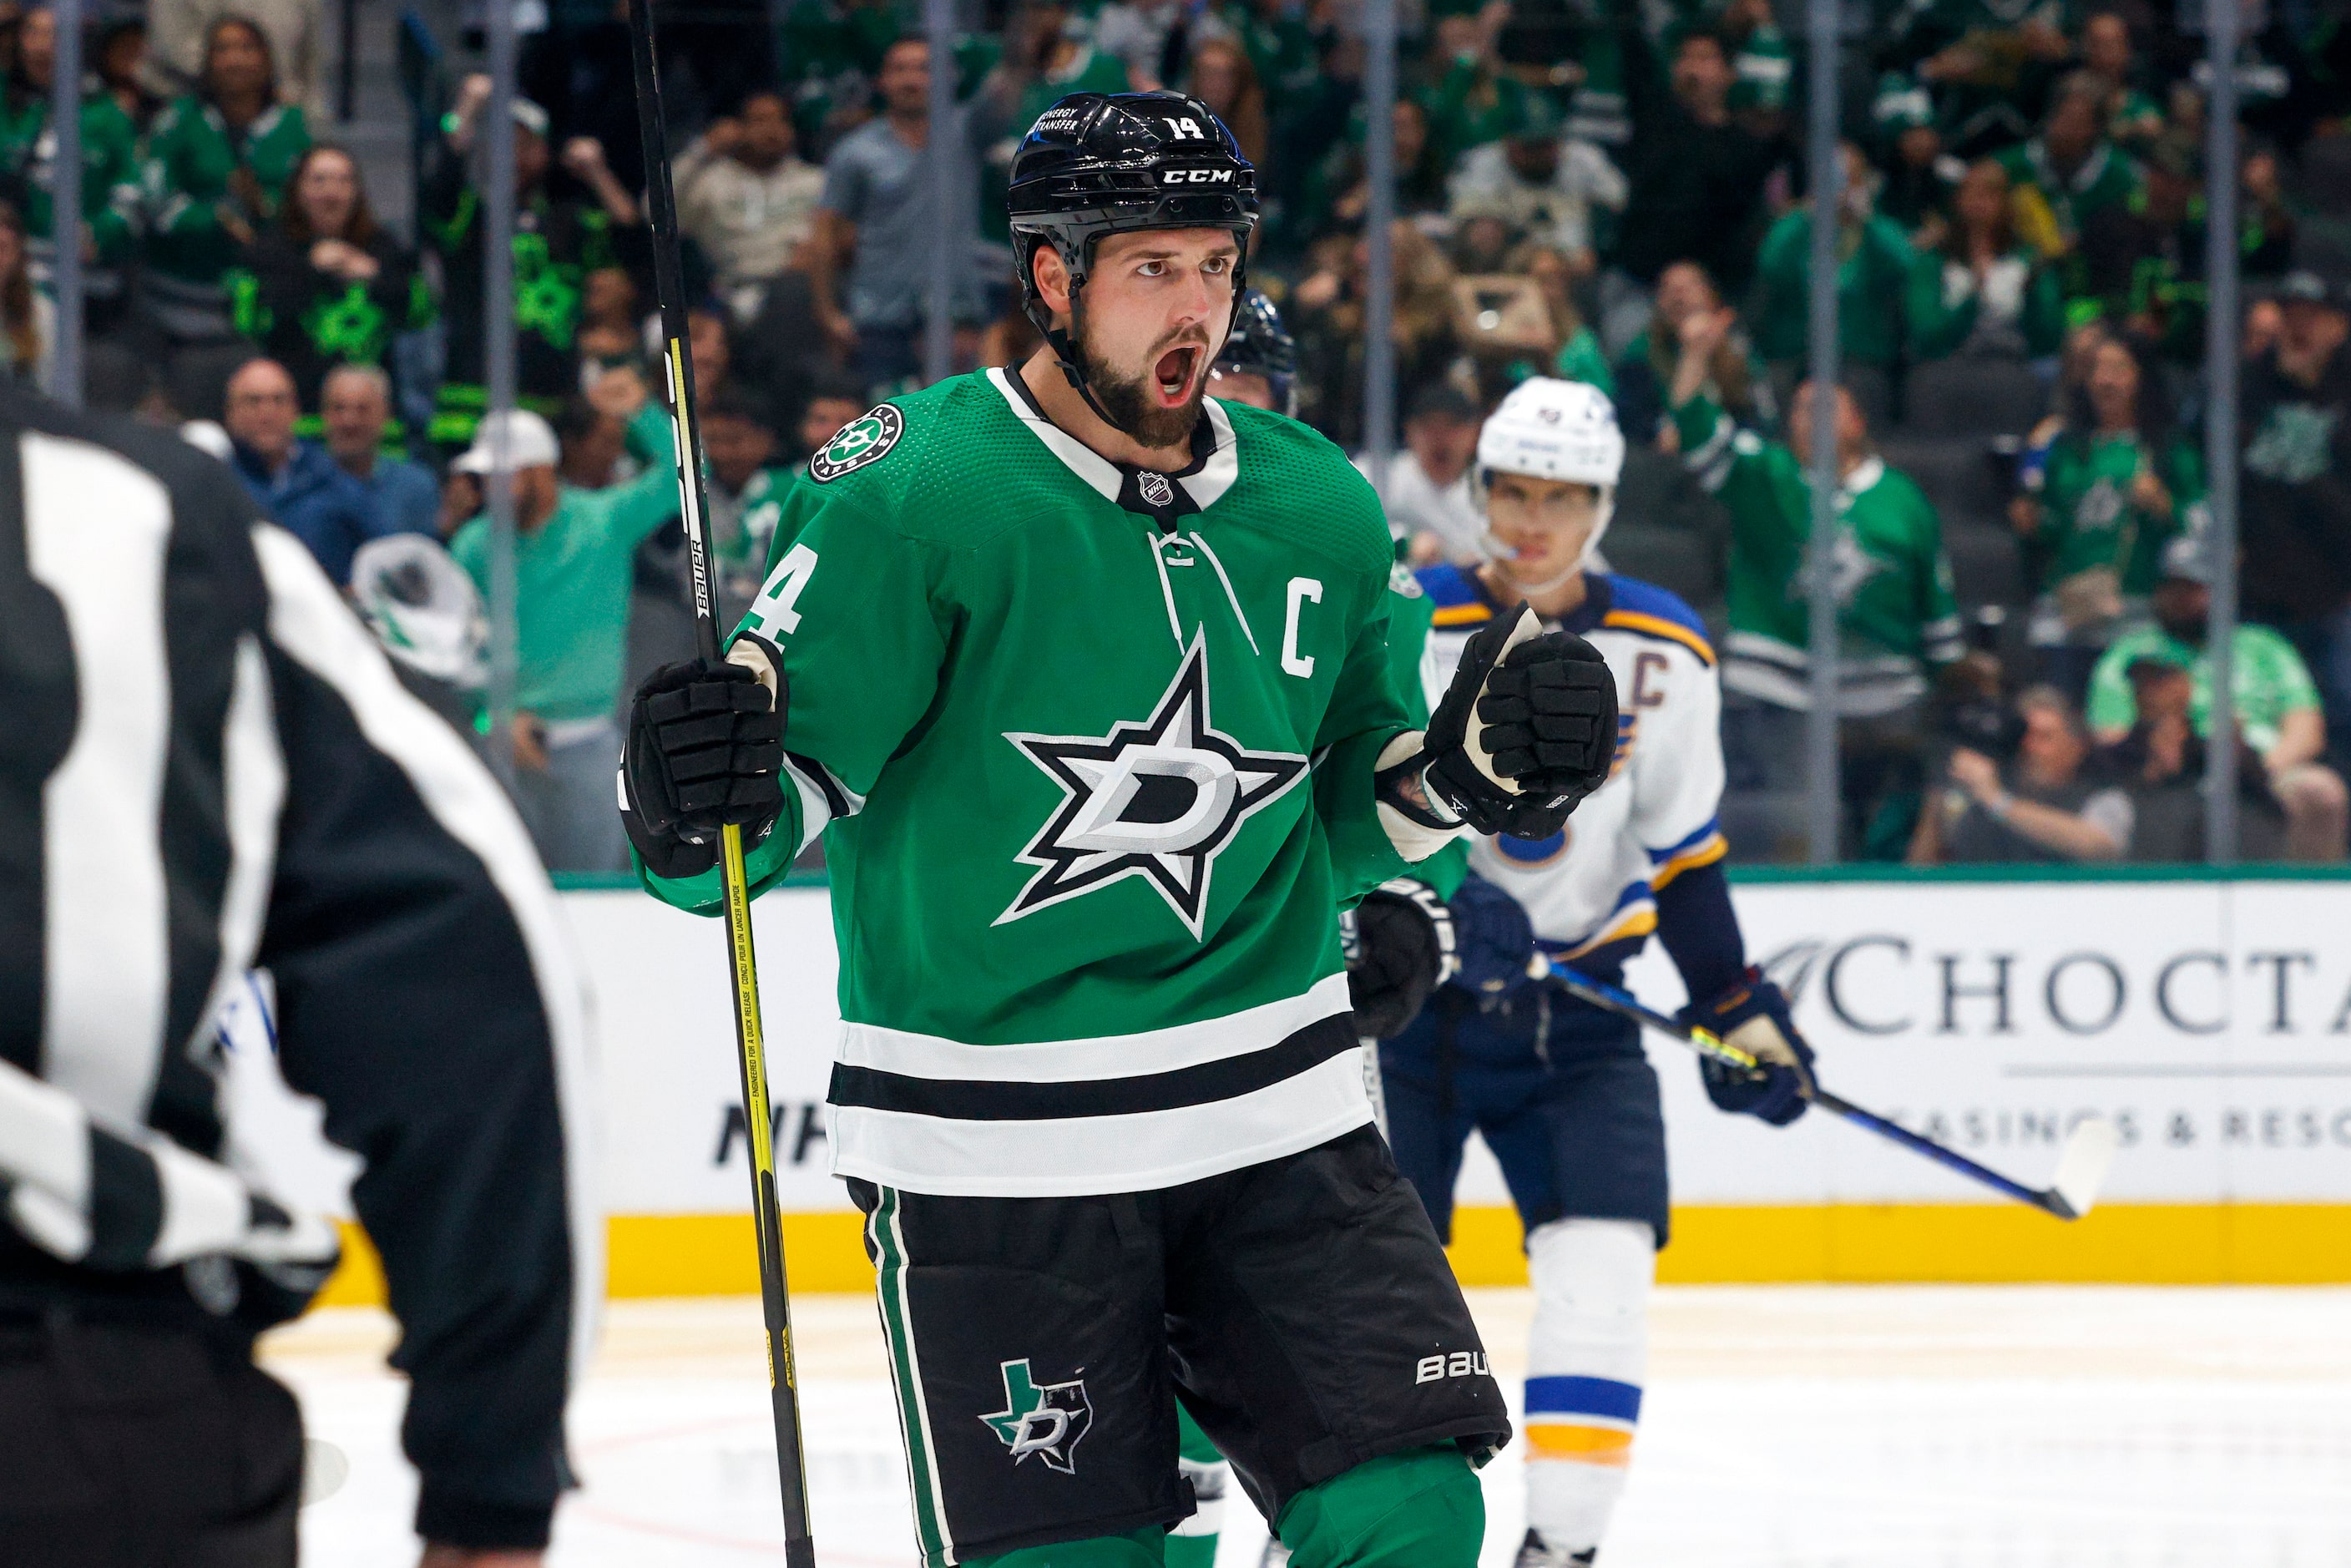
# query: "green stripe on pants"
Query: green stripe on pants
913,1421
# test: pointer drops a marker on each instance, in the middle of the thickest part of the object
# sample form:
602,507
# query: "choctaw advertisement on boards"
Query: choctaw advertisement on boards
2210,1022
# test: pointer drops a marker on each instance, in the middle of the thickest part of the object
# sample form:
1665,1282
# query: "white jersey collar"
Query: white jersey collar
1216,475
1206,485
1097,471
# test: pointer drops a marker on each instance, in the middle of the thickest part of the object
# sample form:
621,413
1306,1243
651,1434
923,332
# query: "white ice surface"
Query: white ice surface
1784,1428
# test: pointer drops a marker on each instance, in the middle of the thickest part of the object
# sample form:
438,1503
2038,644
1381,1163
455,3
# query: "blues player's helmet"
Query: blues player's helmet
1259,345
1552,429
1102,163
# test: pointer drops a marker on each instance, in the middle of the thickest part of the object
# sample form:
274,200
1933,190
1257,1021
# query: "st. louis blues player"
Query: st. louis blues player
1561,1091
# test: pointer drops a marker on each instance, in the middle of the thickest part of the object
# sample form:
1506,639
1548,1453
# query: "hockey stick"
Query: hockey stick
669,285
2081,1168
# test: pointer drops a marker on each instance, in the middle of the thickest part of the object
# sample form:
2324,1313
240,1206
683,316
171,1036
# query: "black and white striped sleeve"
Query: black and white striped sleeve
427,995
206,766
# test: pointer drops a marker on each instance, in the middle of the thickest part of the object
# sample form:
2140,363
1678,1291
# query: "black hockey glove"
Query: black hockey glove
1753,1016
1525,731
1401,950
704,750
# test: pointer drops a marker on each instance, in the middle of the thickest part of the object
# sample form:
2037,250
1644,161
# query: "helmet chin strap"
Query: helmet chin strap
1065,350
1499,553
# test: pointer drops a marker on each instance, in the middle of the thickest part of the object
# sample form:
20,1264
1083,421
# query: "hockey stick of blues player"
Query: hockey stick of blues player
2081,1168
783,1382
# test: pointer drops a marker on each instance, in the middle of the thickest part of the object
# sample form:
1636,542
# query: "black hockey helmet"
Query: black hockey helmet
1102,163
1259,345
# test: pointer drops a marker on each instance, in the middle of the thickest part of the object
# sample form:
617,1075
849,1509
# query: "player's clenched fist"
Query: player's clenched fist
1525,731
705,748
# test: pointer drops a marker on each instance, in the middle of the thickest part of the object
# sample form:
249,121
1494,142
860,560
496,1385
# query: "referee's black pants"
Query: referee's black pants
126,1445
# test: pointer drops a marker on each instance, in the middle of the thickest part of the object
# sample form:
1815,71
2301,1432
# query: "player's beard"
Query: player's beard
1127,399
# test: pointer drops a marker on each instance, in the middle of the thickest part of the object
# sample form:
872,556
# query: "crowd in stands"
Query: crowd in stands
1605,190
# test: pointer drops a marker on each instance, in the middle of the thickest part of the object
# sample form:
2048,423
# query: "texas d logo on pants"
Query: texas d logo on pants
1044,1421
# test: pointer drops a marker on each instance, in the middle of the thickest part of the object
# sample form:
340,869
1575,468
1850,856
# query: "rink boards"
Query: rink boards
2210,1020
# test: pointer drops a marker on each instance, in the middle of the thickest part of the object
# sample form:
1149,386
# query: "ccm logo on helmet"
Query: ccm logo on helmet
1196,177
1460,1364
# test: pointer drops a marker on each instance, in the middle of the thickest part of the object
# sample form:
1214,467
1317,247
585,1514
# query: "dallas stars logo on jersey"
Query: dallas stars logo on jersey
1158,800
866,439
1041,1421
1850,567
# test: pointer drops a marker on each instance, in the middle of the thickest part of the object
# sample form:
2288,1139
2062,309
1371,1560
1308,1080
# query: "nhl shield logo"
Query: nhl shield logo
866,439
1041,1421
1156,489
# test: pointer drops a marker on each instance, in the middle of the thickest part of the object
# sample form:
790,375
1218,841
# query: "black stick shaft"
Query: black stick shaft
669,290
669,286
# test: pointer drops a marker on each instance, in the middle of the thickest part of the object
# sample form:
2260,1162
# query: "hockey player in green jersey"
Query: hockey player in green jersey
1258,366
1085,680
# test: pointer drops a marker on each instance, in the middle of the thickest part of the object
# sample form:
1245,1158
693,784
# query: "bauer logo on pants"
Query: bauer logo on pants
1443,1368
866,439
1043,1421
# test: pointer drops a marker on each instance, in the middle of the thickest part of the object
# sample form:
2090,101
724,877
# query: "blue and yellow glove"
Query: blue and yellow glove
1753,1015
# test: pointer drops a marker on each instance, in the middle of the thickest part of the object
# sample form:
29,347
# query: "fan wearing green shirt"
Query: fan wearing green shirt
1976,292
1898,616
109,164
217,164
574,550
2069,173
746,489
1874,264
2099,502
2134,119
2276,702
1047,55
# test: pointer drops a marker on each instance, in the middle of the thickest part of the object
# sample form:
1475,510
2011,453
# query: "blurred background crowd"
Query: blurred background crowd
283,218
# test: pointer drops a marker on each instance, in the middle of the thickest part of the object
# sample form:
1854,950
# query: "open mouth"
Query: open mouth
1171,376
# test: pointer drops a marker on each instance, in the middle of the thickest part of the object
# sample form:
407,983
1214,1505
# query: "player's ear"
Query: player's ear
1052,278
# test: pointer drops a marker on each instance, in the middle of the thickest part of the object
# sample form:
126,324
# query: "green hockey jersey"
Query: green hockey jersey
2090,519
109,169
1092,748
1420,679
1896,609
193,161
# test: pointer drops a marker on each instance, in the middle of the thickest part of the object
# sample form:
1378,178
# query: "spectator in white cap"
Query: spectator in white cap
573,550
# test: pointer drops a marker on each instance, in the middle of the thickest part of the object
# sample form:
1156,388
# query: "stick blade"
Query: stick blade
2082,1169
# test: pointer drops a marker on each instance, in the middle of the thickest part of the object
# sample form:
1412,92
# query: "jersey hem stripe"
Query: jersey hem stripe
905,1054
865,1088
1090,1155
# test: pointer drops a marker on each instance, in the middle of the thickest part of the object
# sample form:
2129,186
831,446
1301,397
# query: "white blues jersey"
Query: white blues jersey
1590,889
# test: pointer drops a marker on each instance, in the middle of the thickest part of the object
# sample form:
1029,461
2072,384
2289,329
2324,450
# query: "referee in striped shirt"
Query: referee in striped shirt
206,766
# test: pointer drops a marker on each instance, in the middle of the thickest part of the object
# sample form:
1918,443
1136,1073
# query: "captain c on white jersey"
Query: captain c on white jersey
1560,1090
